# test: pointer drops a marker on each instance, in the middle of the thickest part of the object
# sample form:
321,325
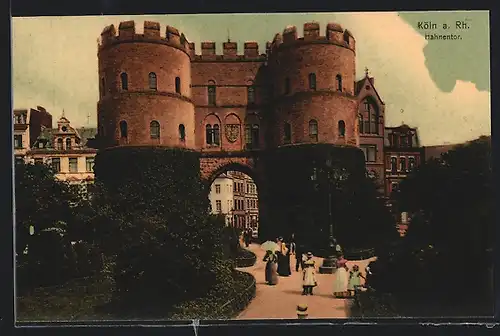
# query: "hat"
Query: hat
302,310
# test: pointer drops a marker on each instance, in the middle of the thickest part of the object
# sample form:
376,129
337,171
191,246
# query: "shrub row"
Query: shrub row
245,258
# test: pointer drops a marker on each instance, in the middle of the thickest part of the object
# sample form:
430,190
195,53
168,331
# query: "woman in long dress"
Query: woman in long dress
309,277
286,270
271,268
340,278
355,277
283,260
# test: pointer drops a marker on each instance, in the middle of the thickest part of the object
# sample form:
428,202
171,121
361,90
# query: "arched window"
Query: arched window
339,82
152,81
59,144
341,128
182,132
287,85
360,123
216,133
402,164
213,134
313,130
370,117
68,143
287,133
124,80
211,93
177,85
208,134
154,129
312,81
123,129
251,94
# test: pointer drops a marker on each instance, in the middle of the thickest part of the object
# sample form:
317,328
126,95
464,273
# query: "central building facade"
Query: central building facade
232,108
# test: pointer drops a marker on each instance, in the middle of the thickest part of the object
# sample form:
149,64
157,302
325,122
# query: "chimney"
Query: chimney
151,29
230,49
251,49
208,48
192,48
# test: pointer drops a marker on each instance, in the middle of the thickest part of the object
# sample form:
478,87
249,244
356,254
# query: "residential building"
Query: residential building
67,150
27,127
221,197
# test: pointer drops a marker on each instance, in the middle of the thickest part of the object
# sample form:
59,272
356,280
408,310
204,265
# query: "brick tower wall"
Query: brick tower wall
168,56
326,56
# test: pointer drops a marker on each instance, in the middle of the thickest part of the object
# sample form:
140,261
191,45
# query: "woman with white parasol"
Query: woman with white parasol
271,260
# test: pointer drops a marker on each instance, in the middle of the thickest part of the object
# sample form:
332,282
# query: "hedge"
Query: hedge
245,258
217,306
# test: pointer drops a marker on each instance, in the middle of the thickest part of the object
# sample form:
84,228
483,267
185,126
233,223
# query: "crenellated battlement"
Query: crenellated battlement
229,52
334,34
152,33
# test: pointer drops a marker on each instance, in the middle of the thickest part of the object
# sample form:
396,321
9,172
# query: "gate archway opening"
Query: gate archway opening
233,192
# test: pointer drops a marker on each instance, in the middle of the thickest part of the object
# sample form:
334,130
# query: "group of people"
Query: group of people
278,264
247,236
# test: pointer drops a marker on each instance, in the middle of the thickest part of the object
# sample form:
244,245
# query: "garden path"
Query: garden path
280,301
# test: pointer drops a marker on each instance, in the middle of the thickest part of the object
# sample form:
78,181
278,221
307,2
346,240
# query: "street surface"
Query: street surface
280,301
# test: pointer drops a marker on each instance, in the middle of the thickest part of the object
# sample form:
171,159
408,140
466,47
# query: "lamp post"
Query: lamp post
334,176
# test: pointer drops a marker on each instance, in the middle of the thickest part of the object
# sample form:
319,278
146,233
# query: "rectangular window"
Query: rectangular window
402,164
89,164
370,152
18,141
235,207
394,164
234,186
248,135
218,205
38,161
73,165
217,188
411,163
56,164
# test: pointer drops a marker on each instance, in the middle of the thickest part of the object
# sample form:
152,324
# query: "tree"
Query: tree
41,201
454,195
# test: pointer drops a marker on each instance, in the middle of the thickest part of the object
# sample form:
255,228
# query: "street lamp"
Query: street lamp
335,177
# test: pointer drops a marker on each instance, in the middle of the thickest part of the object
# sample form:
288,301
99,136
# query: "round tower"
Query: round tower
313,86
145,87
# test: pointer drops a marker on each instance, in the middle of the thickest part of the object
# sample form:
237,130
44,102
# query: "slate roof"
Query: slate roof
47,136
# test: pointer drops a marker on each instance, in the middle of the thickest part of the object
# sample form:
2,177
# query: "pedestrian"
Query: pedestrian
340,278
293,245
271,274
283,258
299,257
248,237
309,275
355,277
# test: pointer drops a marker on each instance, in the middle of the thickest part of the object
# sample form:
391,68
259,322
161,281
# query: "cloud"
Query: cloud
55,65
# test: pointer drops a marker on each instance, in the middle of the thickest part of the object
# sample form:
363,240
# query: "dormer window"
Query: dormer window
40,144
64,129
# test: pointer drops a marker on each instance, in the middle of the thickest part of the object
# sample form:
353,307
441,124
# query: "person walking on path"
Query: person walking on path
286,271
282,258
309,276
271,274
340,278
299,258
355,277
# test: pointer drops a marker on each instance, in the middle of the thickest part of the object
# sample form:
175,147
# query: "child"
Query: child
354,279
309,277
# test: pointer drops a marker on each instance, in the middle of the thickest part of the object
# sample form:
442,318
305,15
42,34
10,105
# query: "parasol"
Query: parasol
269,246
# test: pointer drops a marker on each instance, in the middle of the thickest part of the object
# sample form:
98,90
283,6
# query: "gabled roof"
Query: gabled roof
47,136
359,85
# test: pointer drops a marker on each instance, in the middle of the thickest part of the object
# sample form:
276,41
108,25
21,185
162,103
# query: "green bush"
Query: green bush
167,247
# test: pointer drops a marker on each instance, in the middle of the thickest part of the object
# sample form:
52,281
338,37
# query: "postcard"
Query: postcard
252,166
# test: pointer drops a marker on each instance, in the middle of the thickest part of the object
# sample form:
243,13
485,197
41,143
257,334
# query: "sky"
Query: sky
442,87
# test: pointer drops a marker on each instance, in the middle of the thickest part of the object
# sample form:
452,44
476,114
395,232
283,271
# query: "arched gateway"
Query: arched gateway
283,117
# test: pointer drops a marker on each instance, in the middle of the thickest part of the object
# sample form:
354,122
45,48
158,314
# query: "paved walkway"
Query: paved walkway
280,301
